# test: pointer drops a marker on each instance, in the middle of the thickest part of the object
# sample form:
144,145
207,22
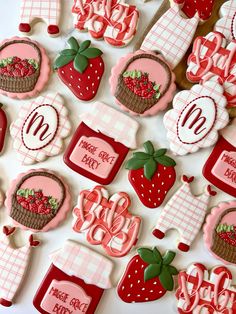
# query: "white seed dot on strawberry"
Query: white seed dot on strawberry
138,281
78,86
158,175
136,260
100,64
143,289
142,185
131,285
150,191
71,77
153,185
70,69
128,295
96,72
160,291
142,195
159,199
91,65
138,295
133,179
146,299
158,191
141,176
170,176
129,276
80,79
93,91
149,200
154,282
136,271
98,78
87,88
88,77
162,183
151,291
142,266
81,94
69,84
164,168
92,84
62,72
123,288
165,192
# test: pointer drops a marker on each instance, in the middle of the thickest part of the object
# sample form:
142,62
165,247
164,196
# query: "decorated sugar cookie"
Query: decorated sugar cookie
203,8
184,212
101,143
213,59
219,168
3,127
46,10
201,291
38,200
148,276
24,68
111,226
39,131
171,35
197,116
74,282
220,232
80,68
13,266
114,21
142,83
152,174
227,23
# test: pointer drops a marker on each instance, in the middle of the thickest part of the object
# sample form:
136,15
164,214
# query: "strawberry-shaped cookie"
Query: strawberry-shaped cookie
152,174
148,276
80,68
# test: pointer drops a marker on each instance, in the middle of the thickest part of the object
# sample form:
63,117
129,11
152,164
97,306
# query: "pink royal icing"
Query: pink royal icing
227,22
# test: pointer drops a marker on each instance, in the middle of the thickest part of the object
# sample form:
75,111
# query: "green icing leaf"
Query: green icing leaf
126,74
156,87
72,42
152,271
62,60
160,152
148,146
150,168
165,161
68,52
166,278
84,45
141,155
158,95
91,53
172,270
134,164
157,255
147,256
168,257
80,63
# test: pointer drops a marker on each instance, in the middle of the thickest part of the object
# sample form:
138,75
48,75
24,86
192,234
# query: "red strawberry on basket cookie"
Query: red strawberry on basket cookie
148,276
152,174
80,68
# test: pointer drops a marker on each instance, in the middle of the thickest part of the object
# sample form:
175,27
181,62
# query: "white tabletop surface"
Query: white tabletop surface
150,129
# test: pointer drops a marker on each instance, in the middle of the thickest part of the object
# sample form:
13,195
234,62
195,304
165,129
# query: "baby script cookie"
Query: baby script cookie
39,131
80,68
13,266
74,282
106,220
227,23
197,116
148,276
101,143
142,83
219,168
38,200
24,68
114,21
35,10
202,292
152,174
184,212
220,232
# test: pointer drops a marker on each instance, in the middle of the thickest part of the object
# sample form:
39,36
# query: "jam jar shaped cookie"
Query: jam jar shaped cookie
101,143
74,282
220,168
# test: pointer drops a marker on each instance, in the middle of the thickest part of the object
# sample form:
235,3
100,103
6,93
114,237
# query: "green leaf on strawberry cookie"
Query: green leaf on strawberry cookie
148,256
141,155
62,60
80,63
91,53
152,271
165,161
72,42
172,270
150,168
68,52
166,278
168,257
134,164
157,255
148,146
160,152
84,45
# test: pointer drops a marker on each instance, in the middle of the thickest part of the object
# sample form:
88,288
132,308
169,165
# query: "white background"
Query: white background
150,129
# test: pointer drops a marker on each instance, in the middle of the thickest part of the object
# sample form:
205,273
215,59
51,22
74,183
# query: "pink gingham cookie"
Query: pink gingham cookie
197,116
38,200
13,265
227,23
39,131
201,291
114,21
47,10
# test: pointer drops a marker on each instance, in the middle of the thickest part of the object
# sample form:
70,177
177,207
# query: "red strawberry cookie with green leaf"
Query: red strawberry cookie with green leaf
152,174
81,68
148,276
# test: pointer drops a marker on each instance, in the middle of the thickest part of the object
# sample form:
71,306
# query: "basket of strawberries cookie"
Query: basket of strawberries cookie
37,199
19,74
224,238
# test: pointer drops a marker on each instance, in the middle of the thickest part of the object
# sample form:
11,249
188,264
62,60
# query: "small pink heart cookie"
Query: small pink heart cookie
142,83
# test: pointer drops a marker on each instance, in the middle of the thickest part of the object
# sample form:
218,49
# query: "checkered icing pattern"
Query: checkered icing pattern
13,264
185,213
227,24
106,221
48,10
112,123
171,35
184,100
115,21
193,284
60,127
79,261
